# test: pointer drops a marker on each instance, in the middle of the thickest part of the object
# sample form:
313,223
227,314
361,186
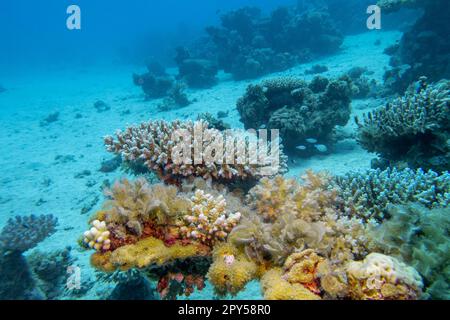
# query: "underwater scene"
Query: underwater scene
216,150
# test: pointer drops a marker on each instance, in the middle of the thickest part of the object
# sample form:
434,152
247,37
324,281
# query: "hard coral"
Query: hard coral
209,222
98,236
380,277
167,149
367,194
25,232
299,110
414,129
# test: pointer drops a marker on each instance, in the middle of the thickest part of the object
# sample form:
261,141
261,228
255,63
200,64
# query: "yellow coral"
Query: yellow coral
153,251
275,287
101,261
301,267
382,277
231,270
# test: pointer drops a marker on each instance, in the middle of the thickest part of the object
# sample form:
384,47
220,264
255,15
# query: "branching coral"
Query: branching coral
231,269
23,233
98,236
19,235
299,110
380,277
178,150
418,236
367,194
414,129
209,221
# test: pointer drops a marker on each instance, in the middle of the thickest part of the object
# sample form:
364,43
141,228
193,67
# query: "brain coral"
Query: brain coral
414,129
298,109
176,150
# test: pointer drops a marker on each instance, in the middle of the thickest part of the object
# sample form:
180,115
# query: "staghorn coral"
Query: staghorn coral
418,236
298,109
306,217
381,277
414,129
275,287
367,194
173,149
209,221
231,270
25,232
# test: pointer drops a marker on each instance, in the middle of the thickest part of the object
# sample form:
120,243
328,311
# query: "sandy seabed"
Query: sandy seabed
54,168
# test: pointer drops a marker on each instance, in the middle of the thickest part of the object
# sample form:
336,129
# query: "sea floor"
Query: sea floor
54,168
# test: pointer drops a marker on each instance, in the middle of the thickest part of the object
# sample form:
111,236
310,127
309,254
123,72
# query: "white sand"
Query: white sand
29,150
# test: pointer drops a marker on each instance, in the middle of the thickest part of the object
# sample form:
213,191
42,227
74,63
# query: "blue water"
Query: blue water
46,70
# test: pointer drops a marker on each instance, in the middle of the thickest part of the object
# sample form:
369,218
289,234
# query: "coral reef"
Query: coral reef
172,150
209,221
301,111
418,236
176,98
414,129
299,217
197,73
424,48
231,269
98,236
249,44
50,270
275,287
17,282
22,233
154,86
368,194
380,277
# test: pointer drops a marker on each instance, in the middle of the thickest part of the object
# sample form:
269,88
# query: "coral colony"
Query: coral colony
209,205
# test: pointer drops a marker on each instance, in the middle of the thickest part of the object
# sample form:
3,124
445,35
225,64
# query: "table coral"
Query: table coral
414,129
209,221
154,143
381,277
298,109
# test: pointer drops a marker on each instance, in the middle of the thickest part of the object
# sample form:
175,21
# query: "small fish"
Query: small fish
300,147
311,140
321,147
263,126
